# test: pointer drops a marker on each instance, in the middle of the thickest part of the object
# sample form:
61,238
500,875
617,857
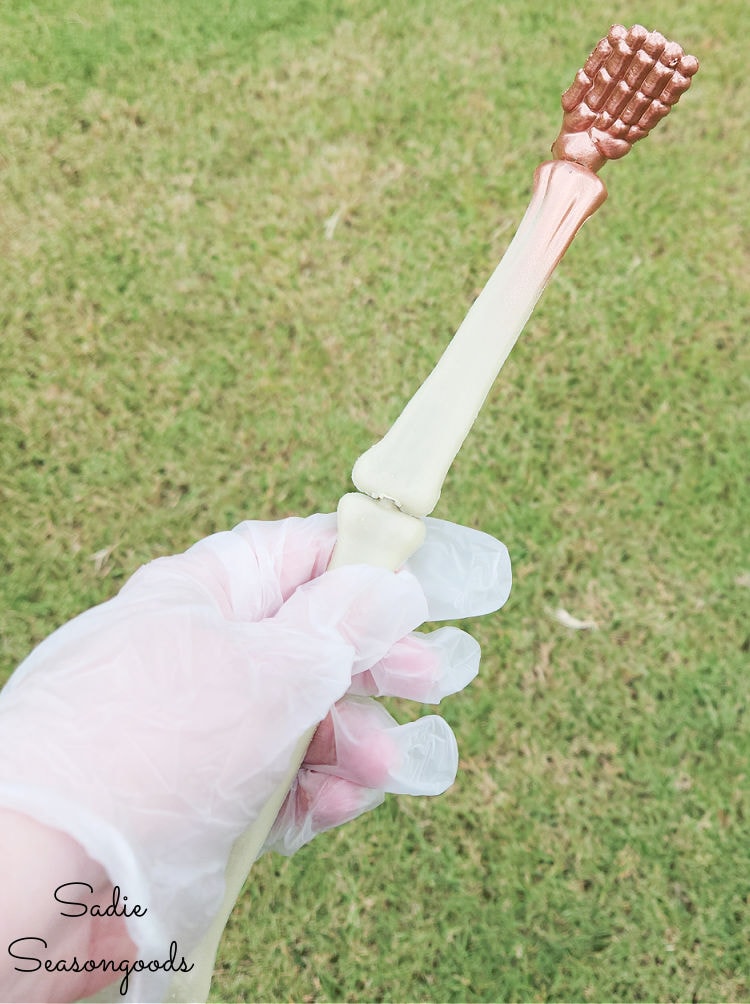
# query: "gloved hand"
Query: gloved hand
153,728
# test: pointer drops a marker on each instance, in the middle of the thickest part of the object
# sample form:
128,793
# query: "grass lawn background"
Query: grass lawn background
234,239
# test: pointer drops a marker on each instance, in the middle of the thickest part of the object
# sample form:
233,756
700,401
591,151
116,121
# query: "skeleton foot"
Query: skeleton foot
628,84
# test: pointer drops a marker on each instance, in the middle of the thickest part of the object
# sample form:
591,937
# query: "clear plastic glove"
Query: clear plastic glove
153,728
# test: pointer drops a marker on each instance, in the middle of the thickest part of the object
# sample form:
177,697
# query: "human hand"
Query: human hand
153,728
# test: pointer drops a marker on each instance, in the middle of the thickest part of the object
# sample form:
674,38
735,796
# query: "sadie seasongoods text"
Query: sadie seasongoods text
31,953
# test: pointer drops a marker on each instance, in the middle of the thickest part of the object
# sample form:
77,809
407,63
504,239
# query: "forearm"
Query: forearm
36,861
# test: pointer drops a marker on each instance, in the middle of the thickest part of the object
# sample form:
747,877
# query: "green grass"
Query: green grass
184,347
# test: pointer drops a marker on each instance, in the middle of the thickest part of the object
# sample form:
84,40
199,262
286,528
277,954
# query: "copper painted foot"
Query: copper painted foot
628,84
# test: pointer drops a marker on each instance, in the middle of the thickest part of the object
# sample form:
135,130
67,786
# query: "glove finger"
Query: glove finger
316,803
361,742
357,754
422,667
367,608
464,572
258,565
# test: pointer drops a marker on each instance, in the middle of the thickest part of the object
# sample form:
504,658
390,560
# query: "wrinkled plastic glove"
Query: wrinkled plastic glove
153,728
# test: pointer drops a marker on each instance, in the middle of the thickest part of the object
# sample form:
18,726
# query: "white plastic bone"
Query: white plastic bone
410,463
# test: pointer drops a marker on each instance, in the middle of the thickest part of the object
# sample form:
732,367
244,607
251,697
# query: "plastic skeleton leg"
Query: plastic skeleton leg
629,83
